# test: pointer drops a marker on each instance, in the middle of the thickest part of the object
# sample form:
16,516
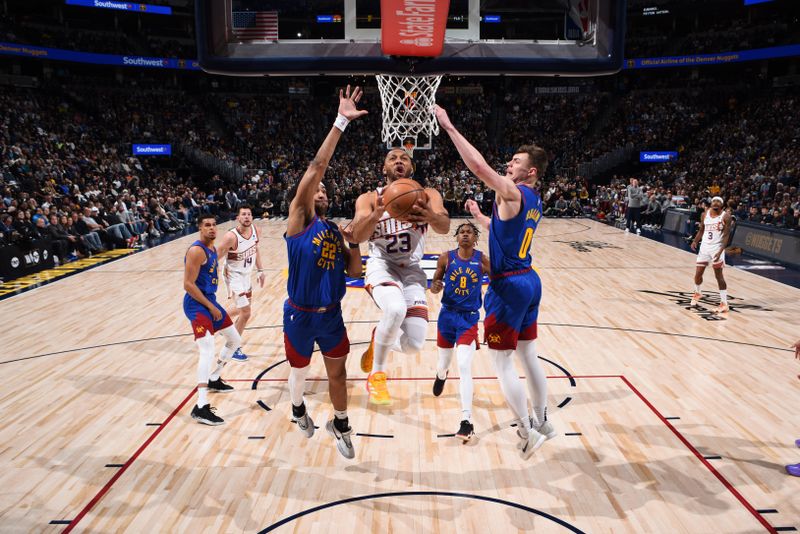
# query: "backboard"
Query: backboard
343,37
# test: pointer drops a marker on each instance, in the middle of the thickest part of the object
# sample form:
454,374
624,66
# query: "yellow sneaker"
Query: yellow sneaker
722,308
376,387
695,298
366,358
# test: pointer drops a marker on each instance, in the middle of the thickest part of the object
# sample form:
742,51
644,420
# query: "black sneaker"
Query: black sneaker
466,431
206,415
438,384
219,386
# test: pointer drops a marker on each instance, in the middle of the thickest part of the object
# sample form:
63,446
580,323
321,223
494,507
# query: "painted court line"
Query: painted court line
100,494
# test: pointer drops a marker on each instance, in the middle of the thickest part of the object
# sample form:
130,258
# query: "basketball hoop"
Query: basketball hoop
408,117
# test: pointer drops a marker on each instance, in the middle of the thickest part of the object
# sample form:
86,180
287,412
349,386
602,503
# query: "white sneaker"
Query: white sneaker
343,441
305,424
547,430
529,444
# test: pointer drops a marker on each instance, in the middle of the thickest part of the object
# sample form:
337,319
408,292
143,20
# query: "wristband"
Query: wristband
341,122
353,245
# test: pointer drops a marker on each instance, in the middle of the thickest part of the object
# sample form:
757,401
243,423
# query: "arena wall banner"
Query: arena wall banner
768,242
657,156
57,54
16,262
122,6
720,58
152,150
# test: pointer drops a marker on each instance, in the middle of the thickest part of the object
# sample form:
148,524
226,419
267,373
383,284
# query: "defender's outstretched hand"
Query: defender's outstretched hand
347,104
441,116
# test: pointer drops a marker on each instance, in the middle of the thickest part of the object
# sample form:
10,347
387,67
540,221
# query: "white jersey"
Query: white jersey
712,233
397,244
240,259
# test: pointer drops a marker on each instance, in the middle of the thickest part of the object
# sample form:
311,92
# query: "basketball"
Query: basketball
399,196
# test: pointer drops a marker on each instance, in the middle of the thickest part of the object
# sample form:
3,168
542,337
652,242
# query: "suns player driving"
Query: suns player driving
394,277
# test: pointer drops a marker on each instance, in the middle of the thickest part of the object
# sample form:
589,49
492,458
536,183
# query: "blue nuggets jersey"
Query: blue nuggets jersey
208,276
316,265
510,241
462,282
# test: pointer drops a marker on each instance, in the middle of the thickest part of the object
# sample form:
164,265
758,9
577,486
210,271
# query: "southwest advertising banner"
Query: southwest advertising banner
657,156
122,6
57,54
152,150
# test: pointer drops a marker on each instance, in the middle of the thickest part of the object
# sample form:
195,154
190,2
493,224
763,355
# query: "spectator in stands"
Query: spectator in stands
635,198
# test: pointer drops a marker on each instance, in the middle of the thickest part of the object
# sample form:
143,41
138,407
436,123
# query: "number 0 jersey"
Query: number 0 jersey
510,241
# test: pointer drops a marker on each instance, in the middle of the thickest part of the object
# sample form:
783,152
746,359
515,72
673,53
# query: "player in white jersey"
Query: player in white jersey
715,225
239,247
394,277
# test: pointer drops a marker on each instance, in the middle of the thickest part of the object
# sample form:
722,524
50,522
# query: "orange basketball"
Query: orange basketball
399,196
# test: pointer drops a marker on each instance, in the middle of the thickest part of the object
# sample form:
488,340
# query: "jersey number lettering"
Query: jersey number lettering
462,282
710,235
526,243
328,250
248,261
405,243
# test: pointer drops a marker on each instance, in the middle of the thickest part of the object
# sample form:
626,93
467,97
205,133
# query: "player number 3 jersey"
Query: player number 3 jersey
712,233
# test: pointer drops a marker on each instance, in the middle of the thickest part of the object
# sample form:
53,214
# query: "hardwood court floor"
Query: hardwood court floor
671,422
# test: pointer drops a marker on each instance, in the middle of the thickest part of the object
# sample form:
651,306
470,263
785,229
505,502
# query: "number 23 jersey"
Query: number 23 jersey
396,244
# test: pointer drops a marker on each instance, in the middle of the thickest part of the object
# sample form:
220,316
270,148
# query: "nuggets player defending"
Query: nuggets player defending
460,273
512,301
318,259
395,278
200,280
715,226
240,248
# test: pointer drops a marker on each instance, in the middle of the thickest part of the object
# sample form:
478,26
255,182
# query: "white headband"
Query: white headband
718,198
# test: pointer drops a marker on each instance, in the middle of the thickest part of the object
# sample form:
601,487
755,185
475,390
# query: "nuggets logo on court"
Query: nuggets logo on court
428,265
587,246
709,298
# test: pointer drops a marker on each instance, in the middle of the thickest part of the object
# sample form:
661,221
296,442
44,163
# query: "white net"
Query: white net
408,117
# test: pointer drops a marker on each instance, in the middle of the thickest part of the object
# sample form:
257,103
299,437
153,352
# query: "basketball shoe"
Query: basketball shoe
695,299
465,431
219,386
438,384
722,308
529,441
239,356
376,387
304,421
793,469
342,437
206,415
